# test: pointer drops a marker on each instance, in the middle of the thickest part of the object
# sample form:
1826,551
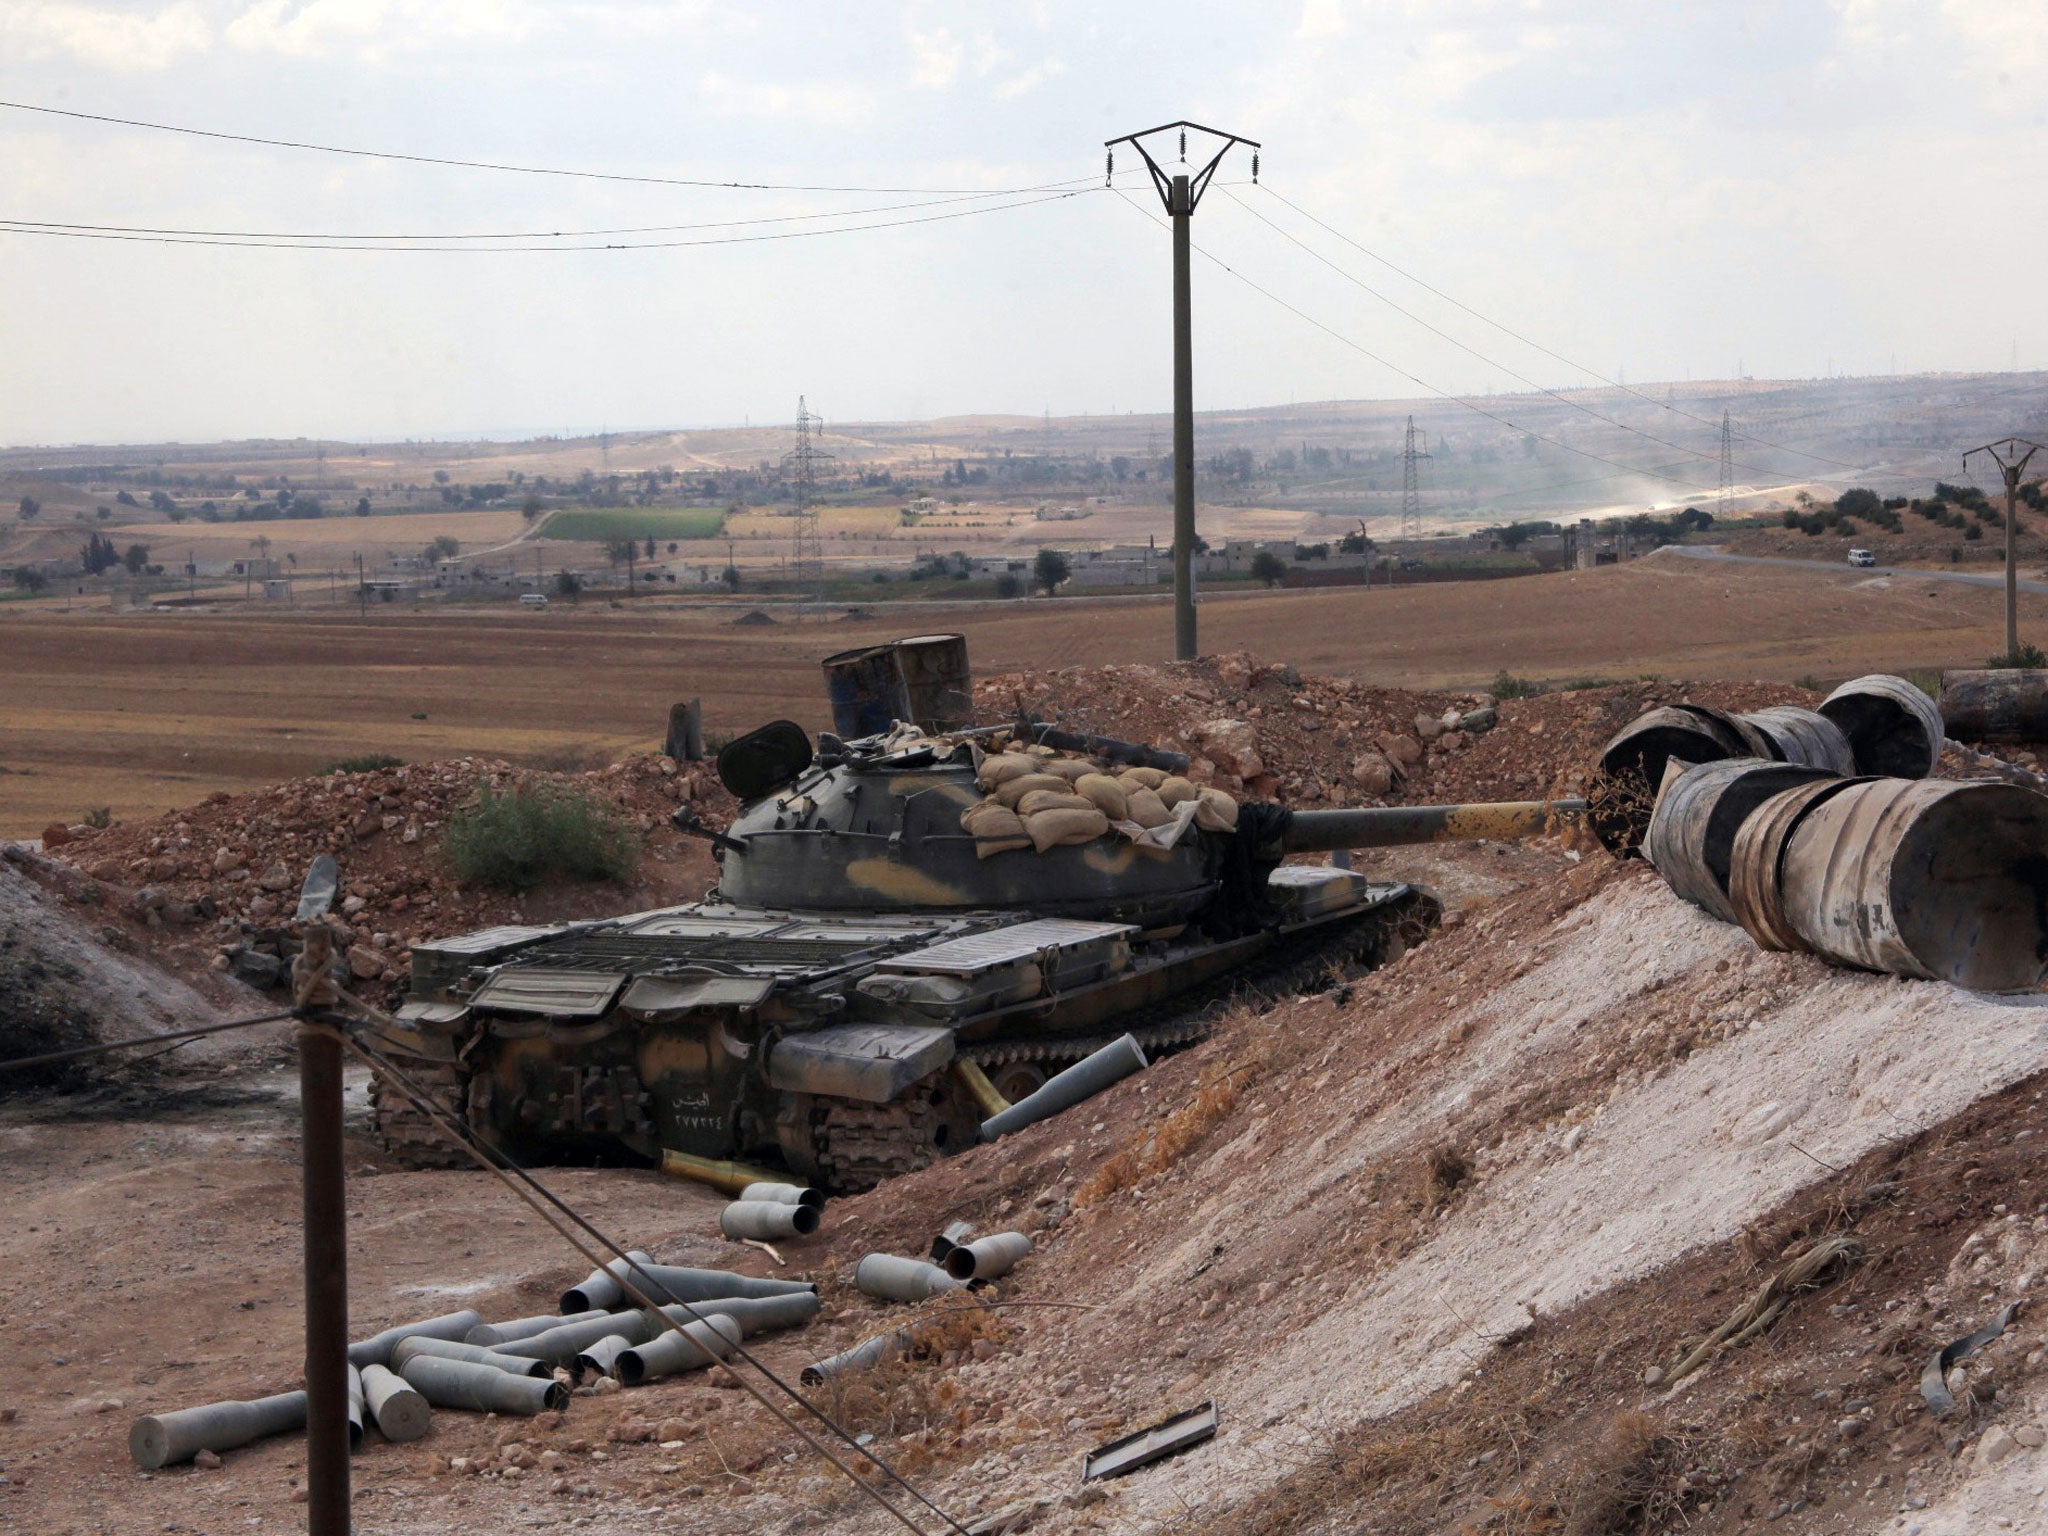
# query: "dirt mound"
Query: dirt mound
222,878
1265,728
753,618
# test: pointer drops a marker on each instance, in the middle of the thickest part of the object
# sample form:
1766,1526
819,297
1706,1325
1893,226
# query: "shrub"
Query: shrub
99,816
1507,686
518,839
2027,655
1974,532
1008,585
368,762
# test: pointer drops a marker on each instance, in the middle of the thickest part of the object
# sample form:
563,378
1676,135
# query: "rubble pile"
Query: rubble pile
226,872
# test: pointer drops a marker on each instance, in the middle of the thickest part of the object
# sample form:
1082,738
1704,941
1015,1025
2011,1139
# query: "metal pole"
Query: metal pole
2012,569
326,1249
1181,207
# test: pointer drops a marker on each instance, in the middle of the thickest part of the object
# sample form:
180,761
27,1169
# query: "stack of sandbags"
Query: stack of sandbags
1042,801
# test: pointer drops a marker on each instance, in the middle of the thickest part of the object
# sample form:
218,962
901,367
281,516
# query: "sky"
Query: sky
1650,190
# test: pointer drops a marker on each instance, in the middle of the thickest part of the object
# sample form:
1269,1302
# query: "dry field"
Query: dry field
142,712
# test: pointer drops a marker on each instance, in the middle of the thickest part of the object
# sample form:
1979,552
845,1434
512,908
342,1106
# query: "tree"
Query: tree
1049,570
618,551
29,579
443,548
98,555
1007,585
135,558
731,578
1268,567
362,506
530,508
568,584
161,501
1858,502
650,546
30,508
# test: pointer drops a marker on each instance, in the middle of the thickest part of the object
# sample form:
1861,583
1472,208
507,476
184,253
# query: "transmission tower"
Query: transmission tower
807,557
1727,498
1411,495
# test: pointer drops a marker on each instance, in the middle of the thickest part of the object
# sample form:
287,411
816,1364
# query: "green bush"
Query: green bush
518,839
369,762
2028,655
1507,686
99,816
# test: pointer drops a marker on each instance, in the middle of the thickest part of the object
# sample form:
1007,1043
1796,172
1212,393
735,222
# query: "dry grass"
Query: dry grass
1445,1170
909,1397
1168,1141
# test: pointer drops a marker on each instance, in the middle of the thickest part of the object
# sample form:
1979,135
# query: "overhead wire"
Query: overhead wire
1521,378
1415,379
20,227
512,167
1531,342
105,1047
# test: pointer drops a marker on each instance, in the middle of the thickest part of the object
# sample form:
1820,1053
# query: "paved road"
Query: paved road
1909,572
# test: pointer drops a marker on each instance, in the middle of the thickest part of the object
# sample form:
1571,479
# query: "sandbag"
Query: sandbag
1063,825
1175,789
1144,778
1146,808
991,819
1042,800
1010,791
1104,793
1003,767
1215,811
1070,768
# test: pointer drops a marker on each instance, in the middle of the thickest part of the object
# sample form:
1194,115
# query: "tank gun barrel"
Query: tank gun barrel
1130,753
1396,825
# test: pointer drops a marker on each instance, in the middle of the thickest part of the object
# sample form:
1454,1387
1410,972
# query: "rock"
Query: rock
365,964
261,907
672,1429
1997,1444
631,1430
276,878
1653,1377
1373,774
1232,745
207,1461
351,905
1453,741
257,968
2030,1436
1850,1428
56,835
1404,752
224,859
1428,727
984,1349
1477,722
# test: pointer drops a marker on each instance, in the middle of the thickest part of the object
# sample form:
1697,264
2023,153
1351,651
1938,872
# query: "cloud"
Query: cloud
1321,18
1030,80
374,29
105,38
934,56
826,103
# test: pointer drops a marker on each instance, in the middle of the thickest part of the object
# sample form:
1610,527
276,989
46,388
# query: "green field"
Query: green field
636,523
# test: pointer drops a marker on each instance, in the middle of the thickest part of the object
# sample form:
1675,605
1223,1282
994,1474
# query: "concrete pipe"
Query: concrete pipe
400,1413
490,1334
987,1258
951,1236
1083,1080
559,1346
754,1314
601,1291
481,1388
376,1350
1756,859
890,1278
162,1439
677,1284
475,1354
1930,878
1806,736
601,1358
766,1220
785,1194
670,1353
863,1356
1691,837
1893,728
2007,704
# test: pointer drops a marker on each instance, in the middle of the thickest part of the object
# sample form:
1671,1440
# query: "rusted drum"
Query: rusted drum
1930,878
1632,765
1759,851
1803,736
866,689
936,681
2006,704
1692,835
1893,728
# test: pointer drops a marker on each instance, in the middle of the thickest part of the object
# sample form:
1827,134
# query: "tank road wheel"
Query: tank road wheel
857,1145
1017,1079
405,1130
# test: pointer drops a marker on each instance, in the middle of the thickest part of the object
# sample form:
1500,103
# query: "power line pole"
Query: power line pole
1727,499
2012,463
807,557
1181,193
1411,490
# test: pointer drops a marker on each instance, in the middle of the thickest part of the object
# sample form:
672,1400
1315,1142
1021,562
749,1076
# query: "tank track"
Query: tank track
859,1145
405,1130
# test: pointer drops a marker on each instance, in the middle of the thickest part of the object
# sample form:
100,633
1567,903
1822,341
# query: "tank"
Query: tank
824,1006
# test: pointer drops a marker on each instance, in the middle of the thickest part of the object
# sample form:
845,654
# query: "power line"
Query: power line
1529,341
22,227
79,1053
1415,379
497,165
39,225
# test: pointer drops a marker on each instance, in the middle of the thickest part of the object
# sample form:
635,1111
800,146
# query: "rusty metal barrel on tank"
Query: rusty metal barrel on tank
2002,704
1757,859
936,681
1894,729
867,690
1928,878
1691,836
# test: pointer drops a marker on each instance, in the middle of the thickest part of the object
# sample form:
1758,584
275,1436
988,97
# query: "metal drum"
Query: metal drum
1692,835
936,681
867,691
1893,728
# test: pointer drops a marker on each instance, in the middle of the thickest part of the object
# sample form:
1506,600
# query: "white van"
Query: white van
533,599
1862,557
